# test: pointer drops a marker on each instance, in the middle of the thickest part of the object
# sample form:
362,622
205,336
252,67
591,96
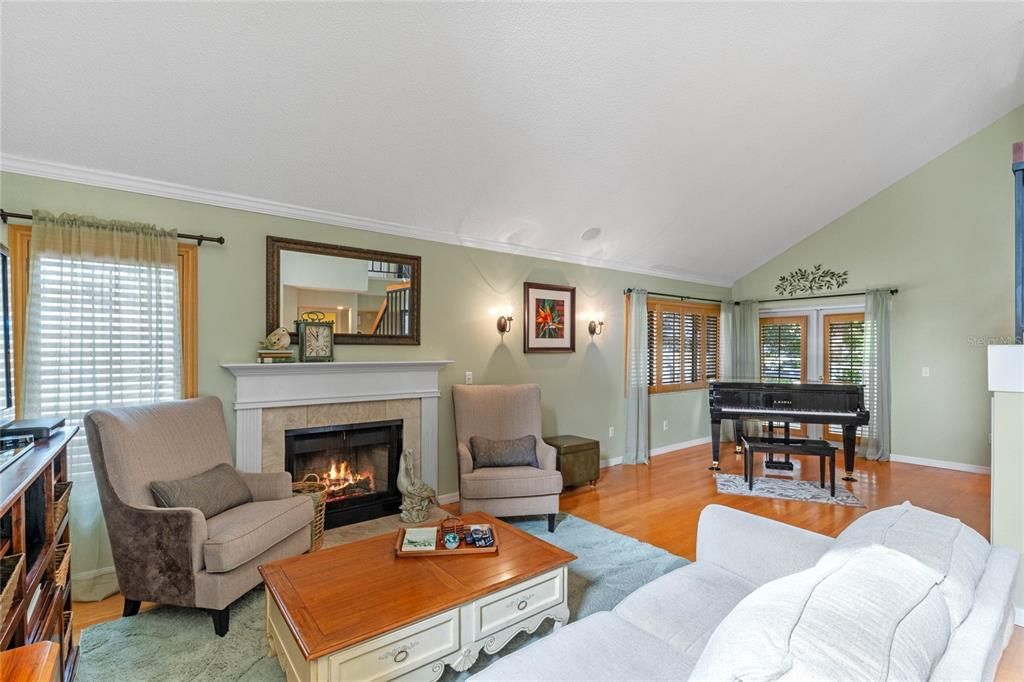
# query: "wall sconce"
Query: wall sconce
596,326
505,322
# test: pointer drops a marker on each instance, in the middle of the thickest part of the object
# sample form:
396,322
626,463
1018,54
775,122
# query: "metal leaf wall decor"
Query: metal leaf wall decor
804,281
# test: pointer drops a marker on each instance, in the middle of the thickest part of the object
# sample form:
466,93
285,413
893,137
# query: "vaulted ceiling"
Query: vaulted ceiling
700,139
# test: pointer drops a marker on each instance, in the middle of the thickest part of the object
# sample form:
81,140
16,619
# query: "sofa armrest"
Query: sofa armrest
275,485
547,456
465,460
157,551
753,547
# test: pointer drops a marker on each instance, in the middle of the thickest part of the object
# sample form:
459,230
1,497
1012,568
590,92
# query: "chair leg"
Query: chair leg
220,621
131,607
821,466
551,523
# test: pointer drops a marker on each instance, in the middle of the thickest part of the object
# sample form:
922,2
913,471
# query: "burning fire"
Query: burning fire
342,481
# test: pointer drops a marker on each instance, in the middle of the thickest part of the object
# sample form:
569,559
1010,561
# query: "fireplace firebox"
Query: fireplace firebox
357,462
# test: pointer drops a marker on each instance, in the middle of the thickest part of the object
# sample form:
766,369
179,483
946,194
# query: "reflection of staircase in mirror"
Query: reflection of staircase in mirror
393,317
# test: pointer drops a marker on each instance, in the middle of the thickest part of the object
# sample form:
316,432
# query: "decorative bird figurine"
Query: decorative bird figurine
279,339
417,496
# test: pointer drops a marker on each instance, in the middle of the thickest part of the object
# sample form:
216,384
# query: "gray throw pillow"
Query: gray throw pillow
211,492
519,452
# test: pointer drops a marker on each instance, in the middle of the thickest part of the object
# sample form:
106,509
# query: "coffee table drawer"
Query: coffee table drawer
502,609
400,651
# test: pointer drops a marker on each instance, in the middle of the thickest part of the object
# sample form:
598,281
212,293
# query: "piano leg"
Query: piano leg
738,431
716,438
849,449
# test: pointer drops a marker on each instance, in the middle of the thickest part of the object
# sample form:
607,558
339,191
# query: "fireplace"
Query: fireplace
358,462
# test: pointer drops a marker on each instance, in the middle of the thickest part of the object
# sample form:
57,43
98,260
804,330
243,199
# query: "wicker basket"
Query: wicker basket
311,486
61,496
61,564
11,567
66,634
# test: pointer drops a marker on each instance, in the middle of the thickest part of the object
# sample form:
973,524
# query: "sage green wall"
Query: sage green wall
582,392
944,236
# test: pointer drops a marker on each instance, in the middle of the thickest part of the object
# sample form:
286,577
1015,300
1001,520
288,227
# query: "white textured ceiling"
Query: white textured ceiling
702,139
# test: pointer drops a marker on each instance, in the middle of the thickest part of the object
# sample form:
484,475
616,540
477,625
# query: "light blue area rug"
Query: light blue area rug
171,644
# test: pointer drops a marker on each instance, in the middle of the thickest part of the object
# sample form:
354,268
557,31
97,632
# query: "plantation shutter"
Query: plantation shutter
652,347
692,347
670,335
782,350
711,347
844,354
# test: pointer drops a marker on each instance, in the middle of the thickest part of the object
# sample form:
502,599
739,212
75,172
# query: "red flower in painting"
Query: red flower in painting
548,319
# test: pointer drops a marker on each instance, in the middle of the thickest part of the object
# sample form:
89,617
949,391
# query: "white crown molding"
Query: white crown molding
52,170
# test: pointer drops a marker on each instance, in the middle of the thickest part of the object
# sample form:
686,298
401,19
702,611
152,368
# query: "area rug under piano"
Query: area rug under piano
170,643
784,489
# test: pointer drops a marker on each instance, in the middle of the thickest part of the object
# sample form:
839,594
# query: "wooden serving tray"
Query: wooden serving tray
441,550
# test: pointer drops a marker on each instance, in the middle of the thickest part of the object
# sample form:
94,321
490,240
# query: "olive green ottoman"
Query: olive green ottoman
579,459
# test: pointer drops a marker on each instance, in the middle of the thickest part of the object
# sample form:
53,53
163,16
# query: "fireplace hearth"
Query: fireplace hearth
357,462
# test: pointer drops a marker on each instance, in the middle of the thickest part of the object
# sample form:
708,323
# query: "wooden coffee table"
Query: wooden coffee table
357,612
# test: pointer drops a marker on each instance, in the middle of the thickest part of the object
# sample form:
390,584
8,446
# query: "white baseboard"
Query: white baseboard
663,450
448,498
940,464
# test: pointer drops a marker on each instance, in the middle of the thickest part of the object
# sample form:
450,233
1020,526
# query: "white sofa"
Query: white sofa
903,594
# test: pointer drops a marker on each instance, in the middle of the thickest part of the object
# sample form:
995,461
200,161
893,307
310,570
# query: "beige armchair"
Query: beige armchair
176,555
504,413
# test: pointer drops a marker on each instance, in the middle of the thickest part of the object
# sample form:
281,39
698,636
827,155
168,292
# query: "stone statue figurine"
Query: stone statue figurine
417,496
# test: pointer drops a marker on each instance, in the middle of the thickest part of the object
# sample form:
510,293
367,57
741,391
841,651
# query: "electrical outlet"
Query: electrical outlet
611,432
926,372
664,425
469,378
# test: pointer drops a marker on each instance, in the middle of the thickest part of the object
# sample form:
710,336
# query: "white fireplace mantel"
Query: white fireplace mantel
260,386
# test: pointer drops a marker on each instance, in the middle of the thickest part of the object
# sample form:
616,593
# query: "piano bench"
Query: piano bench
822,449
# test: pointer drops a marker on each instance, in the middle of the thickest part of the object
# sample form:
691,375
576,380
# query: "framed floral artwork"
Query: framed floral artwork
549,318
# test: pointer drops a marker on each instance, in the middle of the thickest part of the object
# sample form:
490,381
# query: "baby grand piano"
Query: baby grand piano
840,404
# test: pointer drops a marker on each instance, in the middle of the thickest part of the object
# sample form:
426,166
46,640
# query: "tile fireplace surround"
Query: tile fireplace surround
270,398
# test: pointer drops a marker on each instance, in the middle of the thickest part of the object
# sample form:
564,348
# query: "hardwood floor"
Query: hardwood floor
660,503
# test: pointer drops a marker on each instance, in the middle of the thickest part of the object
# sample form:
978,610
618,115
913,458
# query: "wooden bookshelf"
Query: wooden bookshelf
41,611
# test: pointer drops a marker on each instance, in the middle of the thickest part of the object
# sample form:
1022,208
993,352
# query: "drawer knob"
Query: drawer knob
521,605
401,655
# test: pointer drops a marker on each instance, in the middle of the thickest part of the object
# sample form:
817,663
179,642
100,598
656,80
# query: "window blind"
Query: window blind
652,347
670,336
105,334
711,347
845,355
782,358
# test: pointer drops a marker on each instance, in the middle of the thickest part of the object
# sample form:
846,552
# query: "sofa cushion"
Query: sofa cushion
492,482
700,594
957,553
211,492
870,613
245,532
602,646
517,452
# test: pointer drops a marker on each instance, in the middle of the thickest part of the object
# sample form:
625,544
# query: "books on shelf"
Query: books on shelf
269,356
420,540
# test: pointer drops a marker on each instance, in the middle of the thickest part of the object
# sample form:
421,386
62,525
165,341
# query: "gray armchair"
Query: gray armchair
176,555
504,413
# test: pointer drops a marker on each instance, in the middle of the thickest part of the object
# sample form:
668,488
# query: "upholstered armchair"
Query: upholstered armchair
176,555
504,413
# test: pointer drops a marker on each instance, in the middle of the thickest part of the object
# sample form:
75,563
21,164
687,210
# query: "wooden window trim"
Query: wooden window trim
684,308
800,430
19,240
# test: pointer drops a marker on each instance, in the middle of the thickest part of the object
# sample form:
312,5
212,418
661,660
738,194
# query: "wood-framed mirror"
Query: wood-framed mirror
373,297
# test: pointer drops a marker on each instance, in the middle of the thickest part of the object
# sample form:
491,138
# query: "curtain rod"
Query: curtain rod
893,292
200,238
679,296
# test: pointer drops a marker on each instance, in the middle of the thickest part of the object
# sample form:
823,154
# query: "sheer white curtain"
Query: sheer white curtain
741,341
876,443
102,328
637,449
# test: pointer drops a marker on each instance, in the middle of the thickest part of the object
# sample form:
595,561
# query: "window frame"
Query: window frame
19,244
826,320
683,308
